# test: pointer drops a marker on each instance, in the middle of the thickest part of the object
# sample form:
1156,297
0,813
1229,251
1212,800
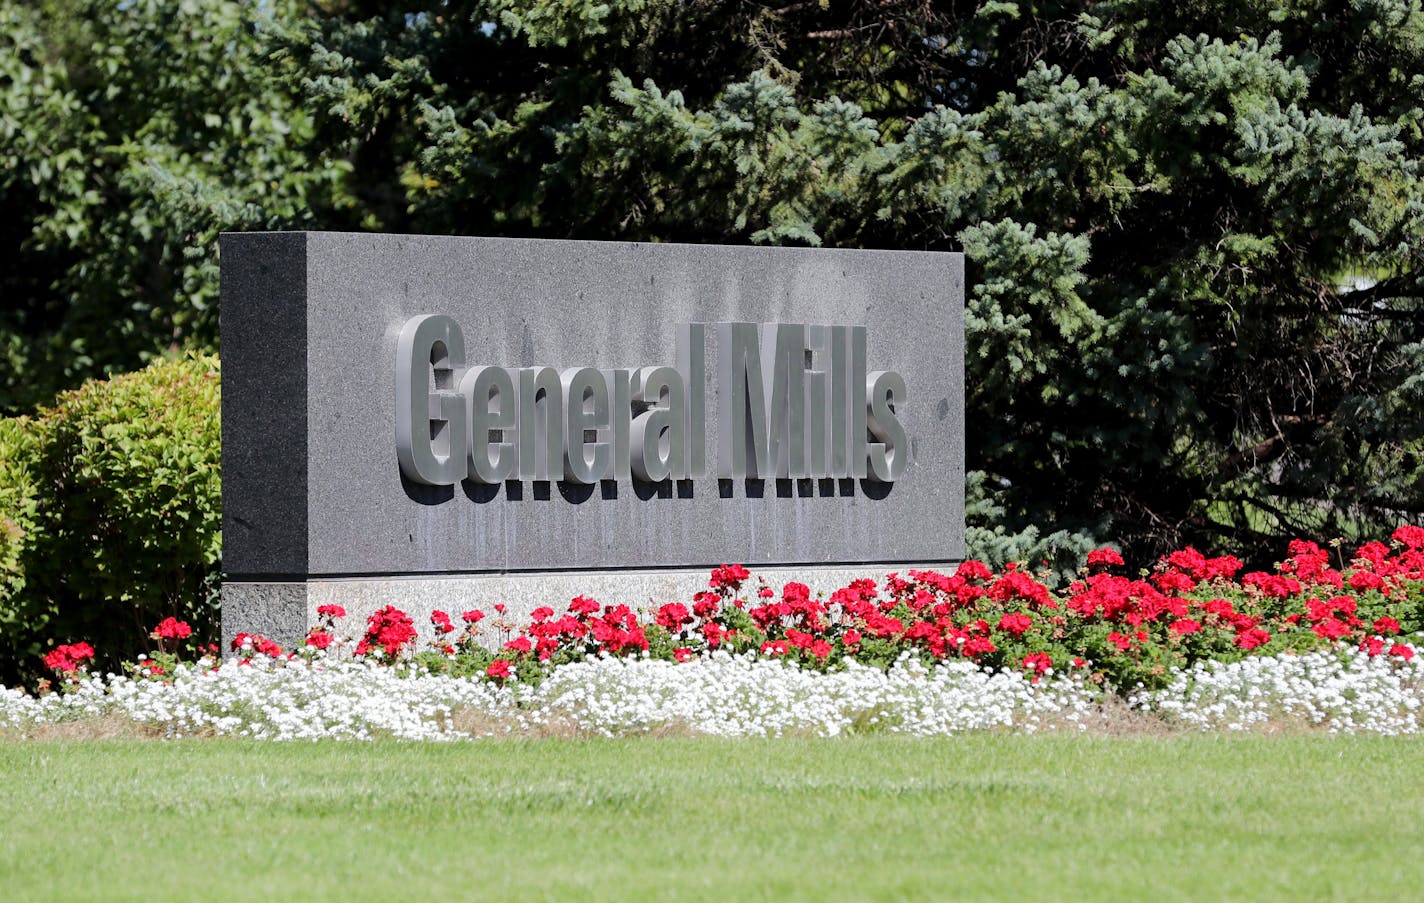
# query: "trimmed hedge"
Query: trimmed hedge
110,512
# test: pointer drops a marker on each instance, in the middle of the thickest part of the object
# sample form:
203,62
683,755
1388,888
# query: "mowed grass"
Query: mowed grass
987,817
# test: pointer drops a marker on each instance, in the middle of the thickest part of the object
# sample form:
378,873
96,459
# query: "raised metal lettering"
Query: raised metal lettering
541,424
856,368
691,362
741,438
430,419
493,406
889,456
586,399
783,367
818,345
659,433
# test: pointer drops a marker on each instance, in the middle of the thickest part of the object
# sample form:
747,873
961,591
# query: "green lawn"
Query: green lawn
975,818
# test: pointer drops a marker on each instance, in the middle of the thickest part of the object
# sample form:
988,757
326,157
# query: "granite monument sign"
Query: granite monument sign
443,422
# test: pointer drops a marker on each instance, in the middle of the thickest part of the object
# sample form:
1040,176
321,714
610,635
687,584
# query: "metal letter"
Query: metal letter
430,419
659,433
489,392
840,402
586,399
783,362
857,368
741,439
620,397
889,456
541,423
818,347
691,361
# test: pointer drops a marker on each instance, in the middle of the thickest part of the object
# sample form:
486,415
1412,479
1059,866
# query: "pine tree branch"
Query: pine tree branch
1395,287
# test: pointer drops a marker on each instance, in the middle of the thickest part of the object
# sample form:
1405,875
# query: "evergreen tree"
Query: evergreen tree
1195,229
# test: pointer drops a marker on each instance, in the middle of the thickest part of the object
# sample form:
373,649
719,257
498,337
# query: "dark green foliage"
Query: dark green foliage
19,497
121,511
130,135
1196,230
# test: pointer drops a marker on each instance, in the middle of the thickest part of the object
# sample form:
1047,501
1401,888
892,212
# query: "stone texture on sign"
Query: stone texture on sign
312,487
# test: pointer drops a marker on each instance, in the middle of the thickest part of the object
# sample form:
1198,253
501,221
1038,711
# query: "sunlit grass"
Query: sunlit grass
988,817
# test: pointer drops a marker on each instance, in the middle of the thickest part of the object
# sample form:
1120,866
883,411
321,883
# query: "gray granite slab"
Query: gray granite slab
312,486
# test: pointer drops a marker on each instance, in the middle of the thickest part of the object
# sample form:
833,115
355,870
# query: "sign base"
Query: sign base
284,611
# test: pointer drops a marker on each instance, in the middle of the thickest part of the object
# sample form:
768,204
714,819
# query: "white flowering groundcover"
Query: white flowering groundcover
1188,645
729,695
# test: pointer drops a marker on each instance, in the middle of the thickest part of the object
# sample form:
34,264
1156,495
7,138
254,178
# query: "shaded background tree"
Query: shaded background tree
130,135
1195,229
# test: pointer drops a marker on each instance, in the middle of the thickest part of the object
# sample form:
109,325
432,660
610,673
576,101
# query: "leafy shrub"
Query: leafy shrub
18,495
126,509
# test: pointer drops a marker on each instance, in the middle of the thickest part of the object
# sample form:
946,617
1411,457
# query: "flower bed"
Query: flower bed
1191,643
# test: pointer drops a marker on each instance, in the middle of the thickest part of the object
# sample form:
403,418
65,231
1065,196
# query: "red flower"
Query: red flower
542,613
852,637
1274,585
1174,582
973,570
728,575
69,658
441,621
1038,663
1330,629
390,628
1123,643
330,611
520,645
1387,625
583,605
258,643
1360,581
672,616
318,638
1220,607
1184,626
682,654
977,645
1016,623
800,638
1401,650
172,629
1243,622
1410,536
1104,558
1015,584
705,604
498,669
473,616
1251,639
796,594
715,634
775,647
1372,645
